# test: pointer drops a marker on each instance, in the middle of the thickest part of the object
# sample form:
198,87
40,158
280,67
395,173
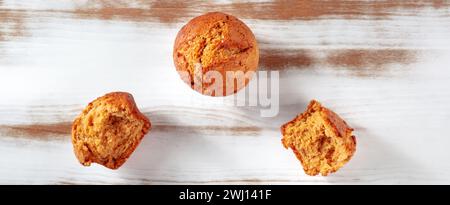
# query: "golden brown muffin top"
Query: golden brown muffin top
214,42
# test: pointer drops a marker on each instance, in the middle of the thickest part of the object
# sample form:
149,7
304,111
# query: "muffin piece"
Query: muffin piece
108,130
320,139
215,42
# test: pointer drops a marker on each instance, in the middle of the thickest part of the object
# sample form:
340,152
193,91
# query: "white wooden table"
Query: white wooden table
383,66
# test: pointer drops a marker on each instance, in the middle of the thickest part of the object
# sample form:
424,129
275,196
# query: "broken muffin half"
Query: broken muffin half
320,139
108,130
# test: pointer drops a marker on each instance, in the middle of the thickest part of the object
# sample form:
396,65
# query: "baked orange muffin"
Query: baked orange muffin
108,130
212,44
320,139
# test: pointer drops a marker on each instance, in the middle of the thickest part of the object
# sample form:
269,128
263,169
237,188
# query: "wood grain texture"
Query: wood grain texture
383,66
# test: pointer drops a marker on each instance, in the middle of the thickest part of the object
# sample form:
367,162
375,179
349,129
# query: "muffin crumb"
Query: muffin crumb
320,139
108,130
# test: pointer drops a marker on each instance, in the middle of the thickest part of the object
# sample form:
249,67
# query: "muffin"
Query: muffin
320,139
108,130
211,45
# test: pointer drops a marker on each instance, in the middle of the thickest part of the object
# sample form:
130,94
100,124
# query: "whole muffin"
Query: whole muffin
108,130
210,45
